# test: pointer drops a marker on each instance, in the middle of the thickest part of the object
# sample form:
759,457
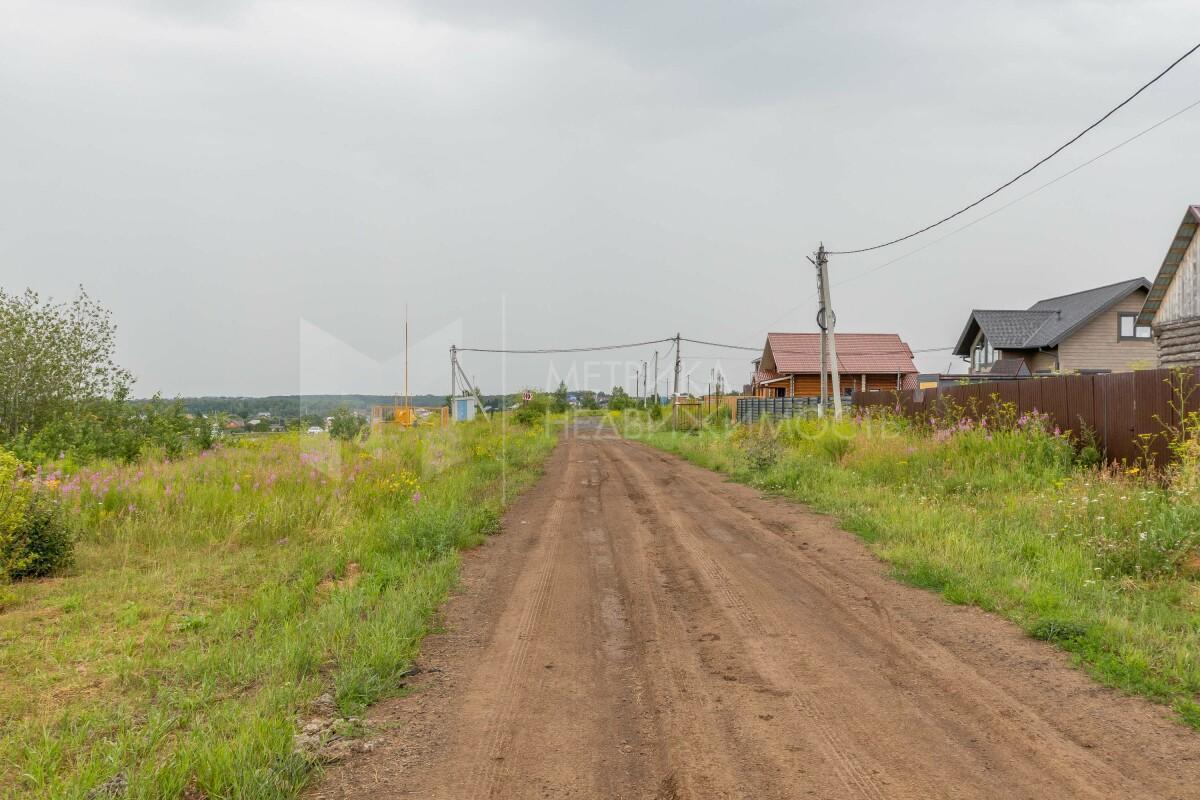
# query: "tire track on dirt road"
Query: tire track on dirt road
488,758
704,747
856,777
979,716
645,629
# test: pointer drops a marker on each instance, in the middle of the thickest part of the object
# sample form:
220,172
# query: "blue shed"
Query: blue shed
465,408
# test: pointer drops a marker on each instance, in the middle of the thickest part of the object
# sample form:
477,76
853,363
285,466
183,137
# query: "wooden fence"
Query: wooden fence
1122,409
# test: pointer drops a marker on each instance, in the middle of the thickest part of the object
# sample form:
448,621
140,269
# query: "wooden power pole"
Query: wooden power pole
677,365
655,377
827,322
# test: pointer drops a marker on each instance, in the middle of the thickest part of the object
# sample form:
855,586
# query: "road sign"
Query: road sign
527,396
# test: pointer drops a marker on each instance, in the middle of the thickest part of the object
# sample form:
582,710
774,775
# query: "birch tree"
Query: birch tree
54,356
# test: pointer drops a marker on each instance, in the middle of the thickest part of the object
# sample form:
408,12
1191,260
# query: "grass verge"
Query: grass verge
214,598
1101,562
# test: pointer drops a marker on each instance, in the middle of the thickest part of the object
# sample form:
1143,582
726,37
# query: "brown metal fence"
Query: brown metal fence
1125,411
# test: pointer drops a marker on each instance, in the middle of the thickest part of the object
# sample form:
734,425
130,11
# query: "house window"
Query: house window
1127,327
982,354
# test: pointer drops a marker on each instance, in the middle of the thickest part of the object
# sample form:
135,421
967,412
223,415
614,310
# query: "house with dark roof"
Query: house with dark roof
1095,330
1172,309
790,364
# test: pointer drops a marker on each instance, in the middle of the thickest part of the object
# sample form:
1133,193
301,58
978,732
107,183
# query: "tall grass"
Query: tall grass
1005,516
215,597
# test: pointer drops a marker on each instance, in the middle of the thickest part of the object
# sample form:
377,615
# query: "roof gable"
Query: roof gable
1047,322
858,353
1166,273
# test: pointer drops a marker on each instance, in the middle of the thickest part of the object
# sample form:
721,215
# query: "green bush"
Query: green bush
35,539
116,429
762,450
720,418
835,446
619,400
1057,630
532,412
346,425
42,543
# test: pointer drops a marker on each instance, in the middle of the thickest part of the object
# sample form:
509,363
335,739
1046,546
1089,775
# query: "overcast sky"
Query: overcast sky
257,189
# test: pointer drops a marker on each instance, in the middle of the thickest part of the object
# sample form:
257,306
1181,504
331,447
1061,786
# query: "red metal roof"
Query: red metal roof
858,353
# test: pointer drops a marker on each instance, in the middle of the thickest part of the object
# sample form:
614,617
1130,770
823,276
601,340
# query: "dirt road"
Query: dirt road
645,629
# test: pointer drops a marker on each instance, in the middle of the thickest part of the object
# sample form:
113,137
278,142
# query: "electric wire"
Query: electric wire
1025,196
1037,164
545,350
718,344
995,211
710,357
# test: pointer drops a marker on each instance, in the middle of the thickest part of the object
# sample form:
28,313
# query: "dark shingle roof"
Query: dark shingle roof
1047,322
1009,366
1011,329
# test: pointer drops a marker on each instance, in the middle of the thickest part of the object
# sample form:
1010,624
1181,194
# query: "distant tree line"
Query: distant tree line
294,406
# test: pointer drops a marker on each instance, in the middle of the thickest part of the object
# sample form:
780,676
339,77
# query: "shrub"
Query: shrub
762,450
559,398
1090,454
42,544
14,493
619,400
35,539
835,445
720,418
346,425
532,411
1057,630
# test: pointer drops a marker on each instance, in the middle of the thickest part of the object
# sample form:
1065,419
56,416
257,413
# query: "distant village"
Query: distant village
1133,324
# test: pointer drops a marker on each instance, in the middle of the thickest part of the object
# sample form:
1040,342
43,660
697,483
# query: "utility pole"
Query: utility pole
824,349
407,402
677,365
827,321
645,385
655,377
453,372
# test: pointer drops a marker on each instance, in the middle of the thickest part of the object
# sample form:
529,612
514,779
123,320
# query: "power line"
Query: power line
710,357
1027,195
1037,164
718,344
550,350
1004,207
545,350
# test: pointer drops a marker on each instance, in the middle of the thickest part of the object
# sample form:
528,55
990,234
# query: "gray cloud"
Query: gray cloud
584,172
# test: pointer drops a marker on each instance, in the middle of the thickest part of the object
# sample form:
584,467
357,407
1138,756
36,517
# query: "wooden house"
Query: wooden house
1172,308
790,364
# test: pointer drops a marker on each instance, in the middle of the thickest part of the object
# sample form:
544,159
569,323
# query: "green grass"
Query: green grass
1099,562
214,598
